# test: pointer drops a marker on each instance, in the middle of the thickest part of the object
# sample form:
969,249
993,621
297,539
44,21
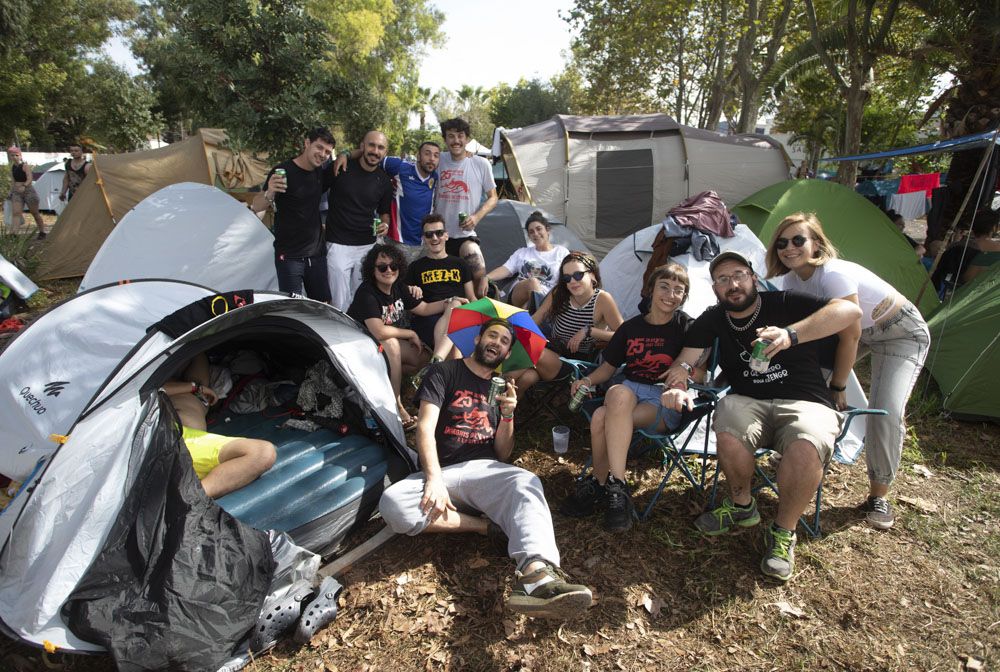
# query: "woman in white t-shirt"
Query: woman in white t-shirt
891,328
535,266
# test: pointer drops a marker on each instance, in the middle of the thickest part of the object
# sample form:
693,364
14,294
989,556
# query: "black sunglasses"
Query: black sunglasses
798,241
436,233
382,268
578,276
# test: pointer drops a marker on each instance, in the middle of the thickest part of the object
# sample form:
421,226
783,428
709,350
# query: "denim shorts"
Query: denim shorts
650,394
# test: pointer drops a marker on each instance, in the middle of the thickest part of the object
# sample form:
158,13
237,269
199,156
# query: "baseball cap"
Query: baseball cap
729,256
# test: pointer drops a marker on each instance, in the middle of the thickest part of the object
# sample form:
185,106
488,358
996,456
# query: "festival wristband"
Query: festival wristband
837,388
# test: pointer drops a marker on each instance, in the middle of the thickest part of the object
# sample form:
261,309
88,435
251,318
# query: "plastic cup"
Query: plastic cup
560,438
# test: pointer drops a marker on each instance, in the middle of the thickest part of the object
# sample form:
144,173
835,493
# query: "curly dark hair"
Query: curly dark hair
560,295
457,124
390,250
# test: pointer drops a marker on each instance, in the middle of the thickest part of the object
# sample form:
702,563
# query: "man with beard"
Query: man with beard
299,255
783,403
357,196
415,193
465,485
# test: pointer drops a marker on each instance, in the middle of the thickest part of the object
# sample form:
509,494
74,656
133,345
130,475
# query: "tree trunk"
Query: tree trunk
750,100
857,96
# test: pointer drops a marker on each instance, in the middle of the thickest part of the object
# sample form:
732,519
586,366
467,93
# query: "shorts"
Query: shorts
26,199
424,326
650,394
775,423
204,448
453,245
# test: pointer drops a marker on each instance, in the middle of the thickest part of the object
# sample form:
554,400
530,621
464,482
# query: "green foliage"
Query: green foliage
471,103
529,103
118,108
414,137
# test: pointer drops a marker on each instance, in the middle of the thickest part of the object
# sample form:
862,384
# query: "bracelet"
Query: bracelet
194,387
837,388
506,418
270,201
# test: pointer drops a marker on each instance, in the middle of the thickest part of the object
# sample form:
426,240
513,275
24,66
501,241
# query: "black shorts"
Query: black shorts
453,245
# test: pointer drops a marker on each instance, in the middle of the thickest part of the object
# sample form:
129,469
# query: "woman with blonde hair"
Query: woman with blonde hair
801,258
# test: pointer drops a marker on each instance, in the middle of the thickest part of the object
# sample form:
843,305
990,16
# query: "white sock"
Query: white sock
530,587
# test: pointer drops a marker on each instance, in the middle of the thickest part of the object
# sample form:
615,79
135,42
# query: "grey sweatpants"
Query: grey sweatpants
511,497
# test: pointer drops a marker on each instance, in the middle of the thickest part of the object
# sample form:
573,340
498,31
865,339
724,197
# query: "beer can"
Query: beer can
279,171
462,217
577,399
758,360
497,386
377,222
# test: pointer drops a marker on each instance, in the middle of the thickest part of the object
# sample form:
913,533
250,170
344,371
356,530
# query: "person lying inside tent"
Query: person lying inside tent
223,463
535,268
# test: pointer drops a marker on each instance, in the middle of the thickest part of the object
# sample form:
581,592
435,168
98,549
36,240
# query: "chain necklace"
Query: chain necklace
746,326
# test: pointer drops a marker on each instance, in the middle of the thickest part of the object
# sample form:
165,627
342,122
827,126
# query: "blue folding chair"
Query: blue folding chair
811,523
552,396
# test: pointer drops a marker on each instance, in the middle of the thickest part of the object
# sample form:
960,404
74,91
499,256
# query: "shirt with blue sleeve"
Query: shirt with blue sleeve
415,197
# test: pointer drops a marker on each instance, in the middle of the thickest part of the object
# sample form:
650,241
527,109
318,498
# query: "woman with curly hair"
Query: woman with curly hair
801,258
381,304
582,315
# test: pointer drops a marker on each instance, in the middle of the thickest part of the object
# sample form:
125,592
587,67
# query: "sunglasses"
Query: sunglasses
382,268
436,233
578,276
798,241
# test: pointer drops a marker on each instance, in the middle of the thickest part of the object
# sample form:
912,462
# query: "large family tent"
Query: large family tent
859,230
95,444
190,232
117,182
502,232
965,349
606,177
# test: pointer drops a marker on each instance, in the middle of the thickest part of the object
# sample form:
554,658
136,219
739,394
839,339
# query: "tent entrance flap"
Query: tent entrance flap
624,191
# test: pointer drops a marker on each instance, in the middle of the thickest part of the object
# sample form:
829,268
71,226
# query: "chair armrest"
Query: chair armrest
850,413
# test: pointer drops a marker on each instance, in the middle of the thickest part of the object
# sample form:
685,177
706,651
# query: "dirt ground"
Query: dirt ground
924,595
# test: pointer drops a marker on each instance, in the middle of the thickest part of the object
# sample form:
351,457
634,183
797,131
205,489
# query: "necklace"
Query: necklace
746,326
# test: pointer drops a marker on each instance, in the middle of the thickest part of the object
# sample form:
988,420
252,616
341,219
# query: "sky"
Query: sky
485,43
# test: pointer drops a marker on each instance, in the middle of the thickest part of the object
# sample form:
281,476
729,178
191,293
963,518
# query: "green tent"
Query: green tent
965,348
860,231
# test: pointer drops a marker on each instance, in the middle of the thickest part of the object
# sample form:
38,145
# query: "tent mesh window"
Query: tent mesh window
624,191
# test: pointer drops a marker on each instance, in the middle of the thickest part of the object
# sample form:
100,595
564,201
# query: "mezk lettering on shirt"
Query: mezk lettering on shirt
440,275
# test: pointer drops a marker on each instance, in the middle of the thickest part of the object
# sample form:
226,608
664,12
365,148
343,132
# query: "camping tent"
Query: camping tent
84,425
502,232
965,348
859,230
48,185
190,232
606,177
117,182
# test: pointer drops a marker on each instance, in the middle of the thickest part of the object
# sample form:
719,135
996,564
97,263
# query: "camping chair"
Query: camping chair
550,397
811,523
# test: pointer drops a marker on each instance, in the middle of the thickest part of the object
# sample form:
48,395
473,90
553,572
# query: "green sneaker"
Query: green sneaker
556,599
779,554
722,518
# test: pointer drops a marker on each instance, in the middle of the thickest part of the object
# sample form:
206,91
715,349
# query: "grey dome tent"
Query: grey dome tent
502,232
606,177
104,471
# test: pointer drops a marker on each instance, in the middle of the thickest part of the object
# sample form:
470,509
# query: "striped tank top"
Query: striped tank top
573,319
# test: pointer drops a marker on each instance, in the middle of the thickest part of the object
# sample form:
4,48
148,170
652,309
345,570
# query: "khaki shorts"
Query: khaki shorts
775,423
204,448
26,199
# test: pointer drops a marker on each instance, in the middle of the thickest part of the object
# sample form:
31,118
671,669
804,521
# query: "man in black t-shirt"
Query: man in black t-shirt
785,405
463,442
440,277
299,254
357,196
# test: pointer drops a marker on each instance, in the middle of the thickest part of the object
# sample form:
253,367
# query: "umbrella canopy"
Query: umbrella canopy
463,328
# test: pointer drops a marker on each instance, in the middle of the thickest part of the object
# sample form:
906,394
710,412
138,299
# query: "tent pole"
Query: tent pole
99,181
566,186
968,194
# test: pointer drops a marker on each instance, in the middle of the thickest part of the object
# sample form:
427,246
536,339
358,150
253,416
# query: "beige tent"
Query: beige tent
607,177
117,182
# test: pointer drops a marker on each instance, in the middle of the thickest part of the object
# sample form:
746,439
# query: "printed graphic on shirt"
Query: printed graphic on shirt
440,275
453,185
534,269
470,419
393,313
643,360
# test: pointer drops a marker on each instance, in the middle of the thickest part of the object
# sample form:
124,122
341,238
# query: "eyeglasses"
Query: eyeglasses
679,292
578,276
436,233
738,276
382,268
798,241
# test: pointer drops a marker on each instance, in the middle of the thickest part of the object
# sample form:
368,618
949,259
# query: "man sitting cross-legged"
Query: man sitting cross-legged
463,442
223,463
783,404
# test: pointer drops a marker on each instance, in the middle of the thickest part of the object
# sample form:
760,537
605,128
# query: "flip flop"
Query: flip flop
320,612
277,617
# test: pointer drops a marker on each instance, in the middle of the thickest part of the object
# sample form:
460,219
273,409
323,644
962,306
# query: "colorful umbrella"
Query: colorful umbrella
528,339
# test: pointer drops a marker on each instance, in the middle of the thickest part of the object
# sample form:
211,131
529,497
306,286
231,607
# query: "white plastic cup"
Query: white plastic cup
560,438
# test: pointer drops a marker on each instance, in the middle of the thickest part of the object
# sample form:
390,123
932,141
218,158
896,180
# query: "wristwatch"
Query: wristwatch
793,335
